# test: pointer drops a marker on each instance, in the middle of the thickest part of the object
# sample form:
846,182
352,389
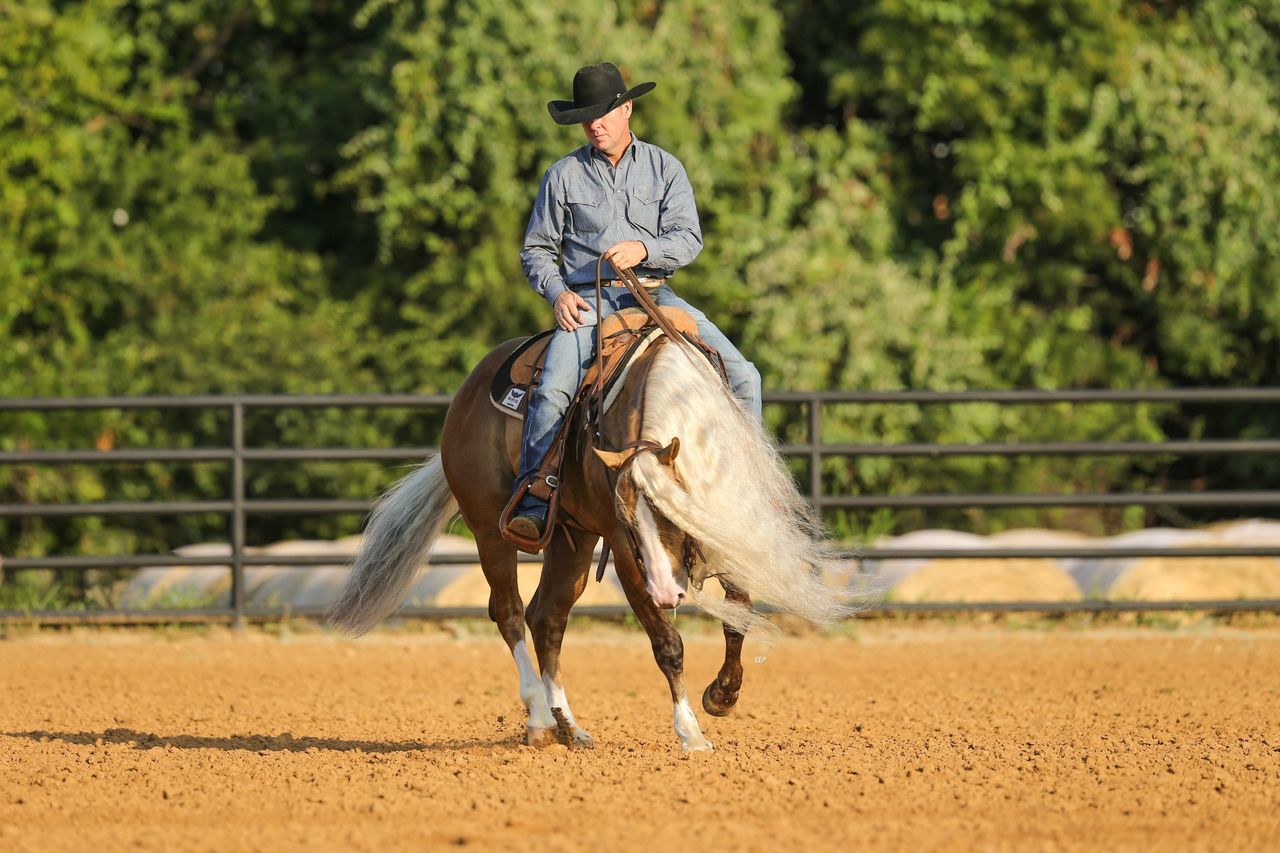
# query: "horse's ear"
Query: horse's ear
614,458
668,454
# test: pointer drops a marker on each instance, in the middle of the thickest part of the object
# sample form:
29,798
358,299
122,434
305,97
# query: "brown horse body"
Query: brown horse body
479,454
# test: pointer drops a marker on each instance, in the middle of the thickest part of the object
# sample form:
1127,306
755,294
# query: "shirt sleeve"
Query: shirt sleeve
539,258
680,237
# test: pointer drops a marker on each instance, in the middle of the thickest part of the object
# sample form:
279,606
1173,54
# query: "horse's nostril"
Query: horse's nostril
680,597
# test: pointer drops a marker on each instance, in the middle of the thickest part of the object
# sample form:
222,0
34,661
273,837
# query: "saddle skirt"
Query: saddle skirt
624,335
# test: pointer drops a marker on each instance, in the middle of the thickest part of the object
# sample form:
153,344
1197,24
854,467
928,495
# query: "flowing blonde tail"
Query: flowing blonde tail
403,524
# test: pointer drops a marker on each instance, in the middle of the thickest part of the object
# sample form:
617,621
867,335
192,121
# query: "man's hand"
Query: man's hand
626,254
566,308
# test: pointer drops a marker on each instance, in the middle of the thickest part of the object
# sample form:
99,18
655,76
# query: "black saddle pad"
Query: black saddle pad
509,396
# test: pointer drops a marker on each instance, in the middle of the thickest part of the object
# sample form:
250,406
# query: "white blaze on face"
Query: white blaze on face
659,573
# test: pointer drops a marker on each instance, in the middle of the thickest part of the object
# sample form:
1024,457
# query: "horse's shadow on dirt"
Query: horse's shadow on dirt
259,743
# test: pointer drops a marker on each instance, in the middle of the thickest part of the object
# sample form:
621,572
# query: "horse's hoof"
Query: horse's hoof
703,745
714,708
570,733
540,738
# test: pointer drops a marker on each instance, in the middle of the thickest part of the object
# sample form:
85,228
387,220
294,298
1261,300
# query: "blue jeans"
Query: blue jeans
570,354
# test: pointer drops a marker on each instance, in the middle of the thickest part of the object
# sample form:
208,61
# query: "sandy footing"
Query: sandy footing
888,736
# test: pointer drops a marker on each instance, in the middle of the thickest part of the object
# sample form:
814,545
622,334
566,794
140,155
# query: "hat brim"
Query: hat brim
568,112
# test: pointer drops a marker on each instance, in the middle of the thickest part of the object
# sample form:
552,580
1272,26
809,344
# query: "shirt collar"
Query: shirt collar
630,152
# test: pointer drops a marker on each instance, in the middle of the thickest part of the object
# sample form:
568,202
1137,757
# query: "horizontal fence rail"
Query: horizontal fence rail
237,507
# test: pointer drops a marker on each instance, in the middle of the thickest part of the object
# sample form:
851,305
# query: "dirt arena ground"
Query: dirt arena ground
889,735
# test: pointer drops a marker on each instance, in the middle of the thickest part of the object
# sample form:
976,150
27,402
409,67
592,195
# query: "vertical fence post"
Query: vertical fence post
237,513
815,452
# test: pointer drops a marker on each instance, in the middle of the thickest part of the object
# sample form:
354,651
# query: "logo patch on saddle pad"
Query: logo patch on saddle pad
515,396
509,392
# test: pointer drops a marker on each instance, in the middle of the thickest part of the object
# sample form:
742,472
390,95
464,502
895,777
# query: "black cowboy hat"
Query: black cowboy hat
597,90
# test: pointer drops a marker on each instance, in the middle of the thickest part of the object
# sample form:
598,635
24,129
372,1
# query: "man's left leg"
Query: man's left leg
744,379
568,356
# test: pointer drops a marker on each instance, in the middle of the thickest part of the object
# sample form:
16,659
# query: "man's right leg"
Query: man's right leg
744,378
568,356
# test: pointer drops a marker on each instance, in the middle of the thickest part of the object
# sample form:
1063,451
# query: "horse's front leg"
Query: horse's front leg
565,572
722,693
668,648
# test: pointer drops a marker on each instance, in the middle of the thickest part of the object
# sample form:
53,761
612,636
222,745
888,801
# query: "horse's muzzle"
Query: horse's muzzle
666,592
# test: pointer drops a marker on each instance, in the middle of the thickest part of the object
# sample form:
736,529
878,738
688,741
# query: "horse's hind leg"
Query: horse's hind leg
565,572
722,693
668,649
498,559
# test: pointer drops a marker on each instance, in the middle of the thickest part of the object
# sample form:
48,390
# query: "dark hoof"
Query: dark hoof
571,734
717,708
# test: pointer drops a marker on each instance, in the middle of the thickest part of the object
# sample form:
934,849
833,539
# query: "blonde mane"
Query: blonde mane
734,494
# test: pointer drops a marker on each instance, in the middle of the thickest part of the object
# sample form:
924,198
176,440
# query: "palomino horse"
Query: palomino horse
678,469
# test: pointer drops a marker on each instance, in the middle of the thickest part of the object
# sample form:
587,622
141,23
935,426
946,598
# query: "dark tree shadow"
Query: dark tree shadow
260,743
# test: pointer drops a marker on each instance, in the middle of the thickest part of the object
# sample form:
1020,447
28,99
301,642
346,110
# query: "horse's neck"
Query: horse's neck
624,422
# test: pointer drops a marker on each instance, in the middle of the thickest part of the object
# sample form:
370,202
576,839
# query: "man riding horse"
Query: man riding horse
630,201
727,508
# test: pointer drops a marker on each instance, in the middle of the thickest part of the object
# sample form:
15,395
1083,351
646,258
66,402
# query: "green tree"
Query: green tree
132,261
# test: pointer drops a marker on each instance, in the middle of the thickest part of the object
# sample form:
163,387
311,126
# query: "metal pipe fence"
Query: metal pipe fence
237,507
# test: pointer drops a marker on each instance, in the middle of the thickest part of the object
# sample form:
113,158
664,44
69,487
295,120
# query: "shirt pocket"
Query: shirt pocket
642,210
589,215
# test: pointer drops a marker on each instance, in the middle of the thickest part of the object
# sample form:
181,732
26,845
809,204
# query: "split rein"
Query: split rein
640,445
636,289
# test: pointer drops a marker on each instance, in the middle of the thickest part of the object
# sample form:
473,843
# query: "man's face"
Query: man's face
611,133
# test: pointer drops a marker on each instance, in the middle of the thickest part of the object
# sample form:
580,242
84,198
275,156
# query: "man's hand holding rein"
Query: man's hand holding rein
626,255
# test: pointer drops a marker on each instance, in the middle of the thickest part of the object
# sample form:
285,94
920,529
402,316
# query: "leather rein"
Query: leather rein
636,289
640,445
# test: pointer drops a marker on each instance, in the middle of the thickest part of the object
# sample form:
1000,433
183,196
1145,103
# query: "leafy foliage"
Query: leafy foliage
329,195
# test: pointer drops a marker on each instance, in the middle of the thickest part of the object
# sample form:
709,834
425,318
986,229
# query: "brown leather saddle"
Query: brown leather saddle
622,334
619,338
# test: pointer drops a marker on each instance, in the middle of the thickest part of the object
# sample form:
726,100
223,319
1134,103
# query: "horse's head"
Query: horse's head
666,553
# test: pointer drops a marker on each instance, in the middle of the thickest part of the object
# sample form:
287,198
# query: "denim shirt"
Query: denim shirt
586,205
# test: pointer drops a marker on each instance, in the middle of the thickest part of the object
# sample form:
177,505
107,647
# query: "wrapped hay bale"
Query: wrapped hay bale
181,587
303,587
968,579
300,586
1187,578
1247,531
470,589
432,588
1037,537
320,584
1096,575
